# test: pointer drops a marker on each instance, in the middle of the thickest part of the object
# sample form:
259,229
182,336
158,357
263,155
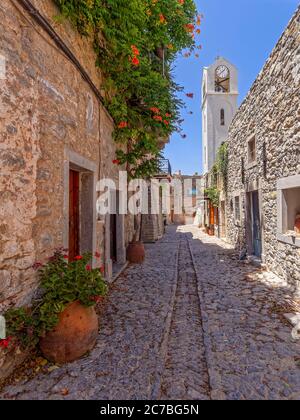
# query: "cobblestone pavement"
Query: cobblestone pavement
185,376
190,323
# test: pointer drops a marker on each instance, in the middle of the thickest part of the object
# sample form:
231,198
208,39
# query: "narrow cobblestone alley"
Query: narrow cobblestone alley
191,323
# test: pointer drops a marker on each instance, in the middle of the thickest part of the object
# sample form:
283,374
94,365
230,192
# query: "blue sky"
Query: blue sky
244,32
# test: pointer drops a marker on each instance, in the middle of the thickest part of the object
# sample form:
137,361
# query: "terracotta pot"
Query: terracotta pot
297,225
75,334
136,253
211,231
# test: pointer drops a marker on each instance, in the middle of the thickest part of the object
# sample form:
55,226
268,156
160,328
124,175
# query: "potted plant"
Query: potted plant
136,249
63,319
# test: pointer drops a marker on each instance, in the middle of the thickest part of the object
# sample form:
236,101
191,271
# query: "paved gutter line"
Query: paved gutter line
215,387
119,273
156,388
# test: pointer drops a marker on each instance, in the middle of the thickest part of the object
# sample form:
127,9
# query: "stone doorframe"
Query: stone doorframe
253,186
88,217
121,246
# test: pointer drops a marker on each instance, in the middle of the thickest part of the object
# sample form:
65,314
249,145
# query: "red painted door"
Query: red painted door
74,216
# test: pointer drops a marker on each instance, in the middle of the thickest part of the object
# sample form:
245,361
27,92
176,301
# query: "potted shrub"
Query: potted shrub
136,250
63,319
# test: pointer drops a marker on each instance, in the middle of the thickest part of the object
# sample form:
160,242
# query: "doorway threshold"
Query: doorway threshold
253,259
118,269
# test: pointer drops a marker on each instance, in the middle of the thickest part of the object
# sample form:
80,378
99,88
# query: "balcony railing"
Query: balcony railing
164,168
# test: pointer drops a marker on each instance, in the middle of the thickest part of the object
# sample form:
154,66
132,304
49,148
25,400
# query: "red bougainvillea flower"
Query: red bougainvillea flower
181,1
135,61
36,266
168,115
166,122
88,268
199,18
155,110
97,255
78,258
157,118
162,19
96,299
102,269
116,162
123,124
66,257
5,343
135,50
190,27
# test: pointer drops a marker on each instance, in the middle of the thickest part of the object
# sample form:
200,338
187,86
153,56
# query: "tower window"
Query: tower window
222,79
222,117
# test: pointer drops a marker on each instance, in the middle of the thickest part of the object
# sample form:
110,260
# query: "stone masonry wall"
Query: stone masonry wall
46,108
270,112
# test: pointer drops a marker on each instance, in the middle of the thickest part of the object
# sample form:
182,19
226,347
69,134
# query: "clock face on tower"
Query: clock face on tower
222,72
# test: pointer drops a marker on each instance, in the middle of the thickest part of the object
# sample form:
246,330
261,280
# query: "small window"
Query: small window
237,209
252,150
289,210
222,117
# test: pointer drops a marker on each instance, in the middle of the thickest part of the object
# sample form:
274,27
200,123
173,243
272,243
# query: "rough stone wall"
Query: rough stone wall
46,108
271,113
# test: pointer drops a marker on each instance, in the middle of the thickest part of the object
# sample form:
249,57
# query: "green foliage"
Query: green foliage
61,283
222,163
137,29
214,195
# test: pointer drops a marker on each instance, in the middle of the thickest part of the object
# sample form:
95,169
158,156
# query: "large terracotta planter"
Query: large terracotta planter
75,334
297,225
136,253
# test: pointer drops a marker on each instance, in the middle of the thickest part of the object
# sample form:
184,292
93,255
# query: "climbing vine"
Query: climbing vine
222,164
218,171
136,44
213,194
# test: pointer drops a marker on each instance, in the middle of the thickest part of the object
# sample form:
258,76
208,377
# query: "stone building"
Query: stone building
263,197
56,143
153,223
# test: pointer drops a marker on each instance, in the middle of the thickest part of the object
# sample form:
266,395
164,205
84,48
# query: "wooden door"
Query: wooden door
74,215
113,237
256,228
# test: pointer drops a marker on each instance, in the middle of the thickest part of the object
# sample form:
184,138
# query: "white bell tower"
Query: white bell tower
219,106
